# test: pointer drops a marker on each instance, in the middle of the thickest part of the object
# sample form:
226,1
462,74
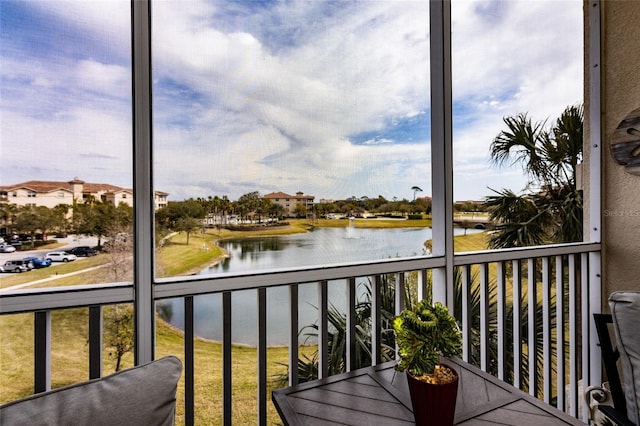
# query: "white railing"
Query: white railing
494,293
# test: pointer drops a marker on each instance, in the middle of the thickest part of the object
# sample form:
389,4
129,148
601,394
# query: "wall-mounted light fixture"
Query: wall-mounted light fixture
625,143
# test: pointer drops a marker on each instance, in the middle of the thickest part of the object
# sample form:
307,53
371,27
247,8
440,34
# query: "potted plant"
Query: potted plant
423,335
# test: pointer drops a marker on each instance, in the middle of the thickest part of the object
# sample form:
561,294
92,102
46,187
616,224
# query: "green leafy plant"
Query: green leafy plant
423,334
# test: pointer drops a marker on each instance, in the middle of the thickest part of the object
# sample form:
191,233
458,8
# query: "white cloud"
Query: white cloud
109,80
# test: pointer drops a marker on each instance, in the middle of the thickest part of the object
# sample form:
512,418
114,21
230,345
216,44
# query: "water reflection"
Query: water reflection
322,246
319,247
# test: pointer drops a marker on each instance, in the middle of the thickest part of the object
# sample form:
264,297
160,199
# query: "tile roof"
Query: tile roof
283,195
278,195
49,186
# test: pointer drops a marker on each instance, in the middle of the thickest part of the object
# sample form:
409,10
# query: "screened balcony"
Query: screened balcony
514,305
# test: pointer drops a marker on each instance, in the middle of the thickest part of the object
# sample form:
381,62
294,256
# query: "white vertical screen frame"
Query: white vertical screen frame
595,185
441,150
143,225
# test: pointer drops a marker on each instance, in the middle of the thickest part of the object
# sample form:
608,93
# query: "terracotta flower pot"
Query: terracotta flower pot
433,404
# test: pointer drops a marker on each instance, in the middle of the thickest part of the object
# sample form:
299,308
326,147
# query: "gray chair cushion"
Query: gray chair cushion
625,309
143,395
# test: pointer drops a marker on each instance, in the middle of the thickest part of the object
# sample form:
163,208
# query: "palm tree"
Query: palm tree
337,342
550,209
415,189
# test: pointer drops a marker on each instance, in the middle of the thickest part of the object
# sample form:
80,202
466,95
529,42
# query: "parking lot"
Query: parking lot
63,243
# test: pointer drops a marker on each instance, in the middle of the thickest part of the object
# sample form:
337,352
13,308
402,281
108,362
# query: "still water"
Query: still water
322,246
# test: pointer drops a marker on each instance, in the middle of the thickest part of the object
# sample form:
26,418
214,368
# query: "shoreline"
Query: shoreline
296,226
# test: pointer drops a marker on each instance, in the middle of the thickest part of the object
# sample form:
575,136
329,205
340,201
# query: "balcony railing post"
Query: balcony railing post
501,300
323,332
560,335
95,342
585,320
376,321
400,300
484,316
262,356
546,328
189,382
42,351
227,371
517,315
351,324
465,304
573,338
293,335
532,297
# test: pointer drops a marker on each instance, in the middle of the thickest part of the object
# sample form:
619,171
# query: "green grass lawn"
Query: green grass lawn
470,242
69,364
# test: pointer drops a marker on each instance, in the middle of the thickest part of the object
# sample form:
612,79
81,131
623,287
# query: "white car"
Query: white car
60,256
6,248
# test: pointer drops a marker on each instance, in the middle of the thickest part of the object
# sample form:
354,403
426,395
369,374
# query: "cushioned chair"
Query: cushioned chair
143,395
625,310
607,403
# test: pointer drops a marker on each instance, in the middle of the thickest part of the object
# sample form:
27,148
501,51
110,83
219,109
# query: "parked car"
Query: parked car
60,256
6,248
38,262
16,266
82,251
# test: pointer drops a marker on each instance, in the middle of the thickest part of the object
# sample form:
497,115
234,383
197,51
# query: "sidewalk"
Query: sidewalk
51,278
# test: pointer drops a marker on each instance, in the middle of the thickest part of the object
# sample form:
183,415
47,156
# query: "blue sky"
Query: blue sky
326,97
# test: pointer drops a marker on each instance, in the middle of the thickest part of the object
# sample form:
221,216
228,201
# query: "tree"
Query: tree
60,215
421,205
31,219
174,214
275,210
118,332
415,189
300,210
119,250
188,225
94,217
466,224
118,319
550,208
8,215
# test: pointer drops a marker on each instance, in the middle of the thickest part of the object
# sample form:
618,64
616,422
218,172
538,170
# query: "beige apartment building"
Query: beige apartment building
50,193
291,202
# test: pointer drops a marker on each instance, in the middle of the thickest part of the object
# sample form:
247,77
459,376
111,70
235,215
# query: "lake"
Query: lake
318,247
